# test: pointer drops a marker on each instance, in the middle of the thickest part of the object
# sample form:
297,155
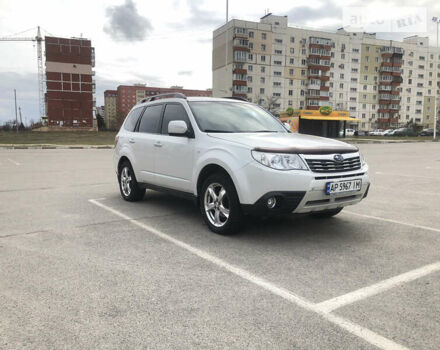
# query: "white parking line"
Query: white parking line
355,329
13,161
393,221
363,293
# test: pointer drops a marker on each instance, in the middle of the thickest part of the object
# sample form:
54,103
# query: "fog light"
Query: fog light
271,202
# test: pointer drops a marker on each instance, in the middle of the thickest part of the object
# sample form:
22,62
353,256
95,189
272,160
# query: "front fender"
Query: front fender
231,159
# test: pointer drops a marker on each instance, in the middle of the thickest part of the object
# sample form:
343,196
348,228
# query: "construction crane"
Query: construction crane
39,39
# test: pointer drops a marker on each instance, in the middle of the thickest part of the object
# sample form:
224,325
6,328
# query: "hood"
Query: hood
287,143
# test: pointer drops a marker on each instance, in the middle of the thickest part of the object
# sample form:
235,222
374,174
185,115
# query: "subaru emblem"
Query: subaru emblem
338,158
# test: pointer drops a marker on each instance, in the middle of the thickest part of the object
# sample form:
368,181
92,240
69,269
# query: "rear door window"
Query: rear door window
174,111
132,118
151,119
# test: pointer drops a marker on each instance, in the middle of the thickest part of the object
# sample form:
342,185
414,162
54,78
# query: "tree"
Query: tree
272,104
289,111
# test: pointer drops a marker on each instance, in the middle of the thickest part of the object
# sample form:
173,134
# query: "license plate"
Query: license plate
343,186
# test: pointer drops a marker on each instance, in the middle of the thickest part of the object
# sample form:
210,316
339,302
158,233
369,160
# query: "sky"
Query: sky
159,43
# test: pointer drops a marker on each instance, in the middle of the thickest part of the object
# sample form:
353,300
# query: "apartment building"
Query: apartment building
383,83
110,109
125,97
69,82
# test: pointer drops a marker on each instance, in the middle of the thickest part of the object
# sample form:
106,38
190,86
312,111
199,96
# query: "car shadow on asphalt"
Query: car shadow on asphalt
284,228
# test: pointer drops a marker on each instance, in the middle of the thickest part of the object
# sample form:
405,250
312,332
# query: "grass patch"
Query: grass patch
58,138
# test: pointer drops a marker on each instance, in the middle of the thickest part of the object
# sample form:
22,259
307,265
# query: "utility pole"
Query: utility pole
19,112
16,118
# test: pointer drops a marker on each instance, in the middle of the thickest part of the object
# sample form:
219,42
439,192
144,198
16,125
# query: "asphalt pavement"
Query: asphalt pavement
81,268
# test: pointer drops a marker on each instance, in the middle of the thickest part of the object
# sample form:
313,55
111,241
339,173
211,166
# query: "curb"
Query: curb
55,147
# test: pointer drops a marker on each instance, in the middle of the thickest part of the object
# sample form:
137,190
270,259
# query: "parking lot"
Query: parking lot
81,268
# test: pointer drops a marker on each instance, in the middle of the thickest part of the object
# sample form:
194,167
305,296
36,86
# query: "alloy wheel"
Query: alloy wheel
126,181
216,204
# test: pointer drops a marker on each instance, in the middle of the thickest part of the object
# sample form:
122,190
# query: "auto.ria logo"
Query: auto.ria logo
338,158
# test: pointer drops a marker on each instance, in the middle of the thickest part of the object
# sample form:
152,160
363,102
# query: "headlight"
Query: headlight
280,161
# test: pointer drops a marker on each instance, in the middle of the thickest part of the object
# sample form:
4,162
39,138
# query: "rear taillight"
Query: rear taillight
116,140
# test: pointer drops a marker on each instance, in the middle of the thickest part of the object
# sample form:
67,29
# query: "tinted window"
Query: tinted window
150,119
132,118
174,112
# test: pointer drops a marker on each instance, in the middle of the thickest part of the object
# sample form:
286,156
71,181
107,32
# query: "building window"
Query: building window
277,73
292,50
290,71
291,82
278,52
251,34
262,80
263,47
263,58
290,92
251,56
279,41
292,39
263,36
251,45
291,61
261,90
277,63
263,69
303,51
250,68
303,62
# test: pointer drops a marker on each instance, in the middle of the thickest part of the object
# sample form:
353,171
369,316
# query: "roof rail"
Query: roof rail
160,96
237,98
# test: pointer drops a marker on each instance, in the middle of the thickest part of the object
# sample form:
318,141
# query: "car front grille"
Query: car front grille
331,166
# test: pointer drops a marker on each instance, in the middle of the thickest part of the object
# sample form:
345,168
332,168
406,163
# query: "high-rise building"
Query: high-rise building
110,109
382,82
129,95
70,85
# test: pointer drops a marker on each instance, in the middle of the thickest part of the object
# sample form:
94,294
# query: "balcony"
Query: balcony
239,82
385,88
388,51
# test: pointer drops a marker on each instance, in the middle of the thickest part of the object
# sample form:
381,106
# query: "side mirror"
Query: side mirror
177,128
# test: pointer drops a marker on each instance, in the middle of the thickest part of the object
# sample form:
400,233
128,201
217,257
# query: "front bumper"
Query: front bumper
295,191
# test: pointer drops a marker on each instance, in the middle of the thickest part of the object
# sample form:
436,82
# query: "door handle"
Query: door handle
157,144
131,140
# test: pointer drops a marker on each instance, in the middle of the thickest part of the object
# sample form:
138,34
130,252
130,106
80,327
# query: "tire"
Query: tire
219,205
128,185
326,213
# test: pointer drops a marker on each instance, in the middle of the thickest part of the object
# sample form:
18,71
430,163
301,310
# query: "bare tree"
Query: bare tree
272,104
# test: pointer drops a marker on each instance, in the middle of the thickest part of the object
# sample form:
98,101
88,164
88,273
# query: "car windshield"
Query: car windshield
219,116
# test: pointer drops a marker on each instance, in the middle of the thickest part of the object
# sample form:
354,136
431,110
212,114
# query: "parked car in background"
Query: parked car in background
348,132
426,132
404,132
377,132
388,132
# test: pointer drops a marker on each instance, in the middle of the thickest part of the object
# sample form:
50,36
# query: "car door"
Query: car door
175,154
147,131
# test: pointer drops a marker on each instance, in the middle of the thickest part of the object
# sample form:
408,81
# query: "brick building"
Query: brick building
70,85
128,95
